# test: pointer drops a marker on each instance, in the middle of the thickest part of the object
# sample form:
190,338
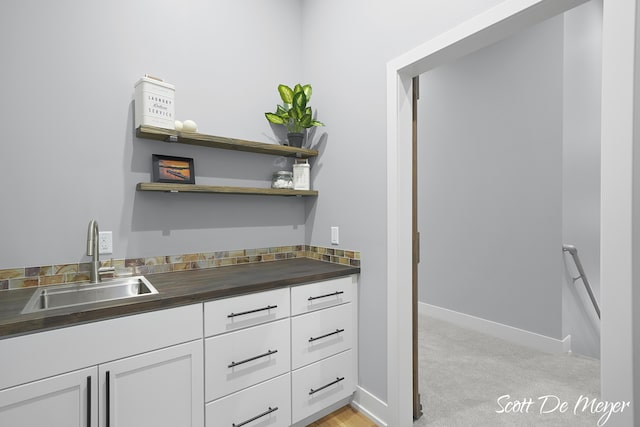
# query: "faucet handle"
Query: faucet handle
107,269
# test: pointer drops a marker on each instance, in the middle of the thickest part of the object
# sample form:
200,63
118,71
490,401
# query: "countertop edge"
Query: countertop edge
179,289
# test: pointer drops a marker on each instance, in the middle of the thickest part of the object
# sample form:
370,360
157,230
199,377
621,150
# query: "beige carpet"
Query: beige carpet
463,374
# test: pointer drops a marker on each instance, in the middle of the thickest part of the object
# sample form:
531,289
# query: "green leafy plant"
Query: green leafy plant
294,112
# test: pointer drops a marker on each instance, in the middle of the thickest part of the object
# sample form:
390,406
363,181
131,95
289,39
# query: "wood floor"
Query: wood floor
344,417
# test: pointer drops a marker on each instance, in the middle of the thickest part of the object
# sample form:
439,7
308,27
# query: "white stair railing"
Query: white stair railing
576,259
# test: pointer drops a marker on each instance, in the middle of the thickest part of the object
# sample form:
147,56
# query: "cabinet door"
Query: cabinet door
67,400
162,388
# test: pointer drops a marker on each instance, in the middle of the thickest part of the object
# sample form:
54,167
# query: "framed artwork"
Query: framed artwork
177,170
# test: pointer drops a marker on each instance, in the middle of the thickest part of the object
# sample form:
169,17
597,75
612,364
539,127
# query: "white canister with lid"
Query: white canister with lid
154,103
301,174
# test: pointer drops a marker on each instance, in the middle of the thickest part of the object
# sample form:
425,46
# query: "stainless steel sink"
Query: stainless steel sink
77,294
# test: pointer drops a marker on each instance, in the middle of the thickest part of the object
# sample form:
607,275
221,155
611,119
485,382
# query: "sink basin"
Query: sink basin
76,294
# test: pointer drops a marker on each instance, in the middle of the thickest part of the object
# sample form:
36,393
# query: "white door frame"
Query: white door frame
617,191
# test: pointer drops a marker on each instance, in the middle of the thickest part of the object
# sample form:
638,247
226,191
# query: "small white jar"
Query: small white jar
282,180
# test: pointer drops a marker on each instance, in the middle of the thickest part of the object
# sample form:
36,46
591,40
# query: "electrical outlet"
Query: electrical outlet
335,236
105,242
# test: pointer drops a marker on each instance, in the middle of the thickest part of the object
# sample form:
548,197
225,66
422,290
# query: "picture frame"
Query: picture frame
175,170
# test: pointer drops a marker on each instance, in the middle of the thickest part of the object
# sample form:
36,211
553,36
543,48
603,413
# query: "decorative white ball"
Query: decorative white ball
189,126
177,125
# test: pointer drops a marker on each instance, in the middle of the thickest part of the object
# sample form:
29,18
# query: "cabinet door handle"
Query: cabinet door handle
269,307
89,401
108,397
338,379
337,331
268,353
267,412
333,294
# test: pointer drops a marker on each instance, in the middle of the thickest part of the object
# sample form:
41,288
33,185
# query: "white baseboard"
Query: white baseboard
371,406
498,330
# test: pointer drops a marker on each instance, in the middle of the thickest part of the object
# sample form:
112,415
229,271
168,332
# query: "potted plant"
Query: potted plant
294,113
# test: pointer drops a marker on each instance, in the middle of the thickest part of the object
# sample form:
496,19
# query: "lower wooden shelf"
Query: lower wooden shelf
196,188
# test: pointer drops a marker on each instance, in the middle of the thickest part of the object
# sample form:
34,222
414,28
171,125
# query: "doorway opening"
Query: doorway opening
492,131
617,121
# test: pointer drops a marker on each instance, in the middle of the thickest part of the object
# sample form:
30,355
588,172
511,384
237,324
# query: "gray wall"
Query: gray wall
347,45
460,206
581,171
490,182
68,150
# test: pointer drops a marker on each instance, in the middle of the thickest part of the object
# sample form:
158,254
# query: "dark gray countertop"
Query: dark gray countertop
175,289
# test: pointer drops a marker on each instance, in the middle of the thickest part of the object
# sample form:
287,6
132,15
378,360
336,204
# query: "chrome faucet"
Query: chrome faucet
93,251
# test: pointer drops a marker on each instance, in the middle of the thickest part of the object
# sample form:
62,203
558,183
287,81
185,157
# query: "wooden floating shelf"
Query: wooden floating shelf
196,188
167,135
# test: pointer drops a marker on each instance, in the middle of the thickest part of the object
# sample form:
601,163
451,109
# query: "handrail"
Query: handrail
576,259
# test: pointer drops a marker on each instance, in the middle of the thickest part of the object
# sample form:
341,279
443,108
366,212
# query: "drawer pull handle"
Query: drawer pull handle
269,307
267,412
338,379
337,331
333,294
268,353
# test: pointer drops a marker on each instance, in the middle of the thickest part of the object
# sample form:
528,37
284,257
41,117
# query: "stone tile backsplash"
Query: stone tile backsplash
22,277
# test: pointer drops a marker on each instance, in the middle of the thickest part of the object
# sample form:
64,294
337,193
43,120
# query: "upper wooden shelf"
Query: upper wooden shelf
167,135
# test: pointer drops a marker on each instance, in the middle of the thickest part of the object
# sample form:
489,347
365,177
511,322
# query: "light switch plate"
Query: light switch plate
335,236
105,242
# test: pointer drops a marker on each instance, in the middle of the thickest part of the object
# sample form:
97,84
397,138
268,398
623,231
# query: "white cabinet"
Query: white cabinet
159,388
323,345
279,358
272,359
60,401
162,388
144,370
248,360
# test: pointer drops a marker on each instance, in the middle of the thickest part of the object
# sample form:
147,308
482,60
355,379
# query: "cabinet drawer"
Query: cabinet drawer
320,334
265,404
243,358
321,384
314,296
234,313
